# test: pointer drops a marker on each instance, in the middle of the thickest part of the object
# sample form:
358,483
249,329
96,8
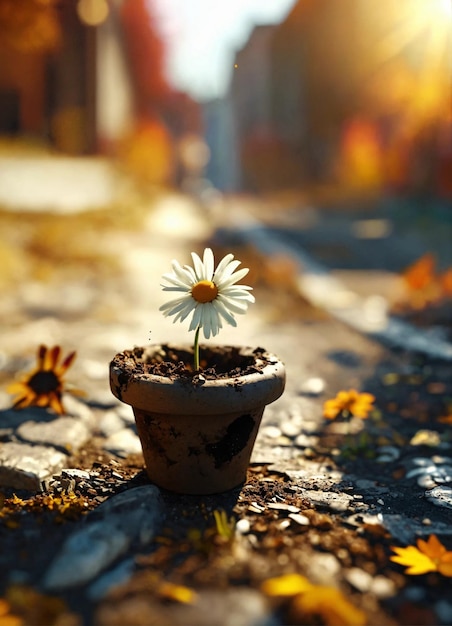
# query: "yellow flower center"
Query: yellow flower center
204,291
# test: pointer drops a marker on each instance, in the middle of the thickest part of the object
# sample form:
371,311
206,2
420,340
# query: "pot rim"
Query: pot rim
165,395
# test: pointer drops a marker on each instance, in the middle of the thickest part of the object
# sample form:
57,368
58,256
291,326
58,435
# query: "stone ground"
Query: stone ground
86,539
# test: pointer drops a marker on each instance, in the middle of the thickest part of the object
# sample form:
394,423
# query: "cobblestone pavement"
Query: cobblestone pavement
403,487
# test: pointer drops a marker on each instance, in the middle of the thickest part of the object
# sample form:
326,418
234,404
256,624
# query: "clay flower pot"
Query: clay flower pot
197,430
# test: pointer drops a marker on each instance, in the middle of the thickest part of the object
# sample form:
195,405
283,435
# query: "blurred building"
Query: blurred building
65,79
223,169
346,91
86,76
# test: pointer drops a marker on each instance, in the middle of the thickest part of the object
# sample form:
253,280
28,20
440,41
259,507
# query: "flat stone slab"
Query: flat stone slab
69,433
25,466
123,442
107,533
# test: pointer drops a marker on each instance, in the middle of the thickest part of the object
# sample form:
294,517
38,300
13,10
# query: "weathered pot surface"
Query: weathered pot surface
197,430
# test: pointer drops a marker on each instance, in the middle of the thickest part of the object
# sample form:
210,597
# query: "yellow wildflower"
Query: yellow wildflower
349,402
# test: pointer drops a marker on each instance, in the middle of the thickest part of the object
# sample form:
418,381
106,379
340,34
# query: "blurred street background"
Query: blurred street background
315,135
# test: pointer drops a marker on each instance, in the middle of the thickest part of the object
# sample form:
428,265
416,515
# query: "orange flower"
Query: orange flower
44,385
420,274
349,403
325,602
428,556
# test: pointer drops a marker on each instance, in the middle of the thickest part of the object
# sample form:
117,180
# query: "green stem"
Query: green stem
196,349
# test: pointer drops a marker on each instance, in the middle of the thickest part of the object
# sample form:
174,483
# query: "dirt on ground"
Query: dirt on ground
200,546
266,528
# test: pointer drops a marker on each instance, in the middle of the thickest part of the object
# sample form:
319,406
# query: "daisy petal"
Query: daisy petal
197,318
234,306
192,274
208,264
223,264
198,266
174,280
182,274
239,294
223,311
227,272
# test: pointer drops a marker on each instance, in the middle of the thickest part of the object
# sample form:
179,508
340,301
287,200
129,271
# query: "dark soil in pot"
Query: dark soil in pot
175,362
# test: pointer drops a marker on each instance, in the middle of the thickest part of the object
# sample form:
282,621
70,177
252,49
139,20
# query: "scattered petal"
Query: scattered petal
177,593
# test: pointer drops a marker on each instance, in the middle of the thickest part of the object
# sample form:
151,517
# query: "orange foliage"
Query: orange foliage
361,158
420,274
147,153
426,556
30,26
425,284
146,52
446,282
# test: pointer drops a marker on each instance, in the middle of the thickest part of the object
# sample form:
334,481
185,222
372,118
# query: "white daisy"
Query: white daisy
210,294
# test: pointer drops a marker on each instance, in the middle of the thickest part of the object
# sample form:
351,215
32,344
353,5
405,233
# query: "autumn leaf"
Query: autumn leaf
420,274
321,601
349,403
425,284
446,282
426,556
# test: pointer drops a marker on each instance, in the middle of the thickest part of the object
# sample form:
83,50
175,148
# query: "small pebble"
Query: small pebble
285,523
440,496
283,507
312,386
243,526
290,429
299,519
271,431
387,454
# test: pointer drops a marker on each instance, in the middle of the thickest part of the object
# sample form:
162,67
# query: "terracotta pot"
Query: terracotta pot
197,432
